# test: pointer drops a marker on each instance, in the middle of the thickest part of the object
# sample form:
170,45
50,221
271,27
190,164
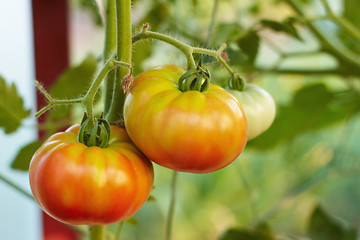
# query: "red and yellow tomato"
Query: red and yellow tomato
189,131
76,184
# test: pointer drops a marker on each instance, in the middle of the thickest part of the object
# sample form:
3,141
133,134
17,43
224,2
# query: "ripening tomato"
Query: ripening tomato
259,108
188,131
76,184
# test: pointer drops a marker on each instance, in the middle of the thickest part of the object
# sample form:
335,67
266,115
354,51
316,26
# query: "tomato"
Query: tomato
259,108
76,184
189,131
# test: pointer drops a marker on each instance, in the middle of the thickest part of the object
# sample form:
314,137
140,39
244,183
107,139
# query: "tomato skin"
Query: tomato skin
191,131
76,184
259,108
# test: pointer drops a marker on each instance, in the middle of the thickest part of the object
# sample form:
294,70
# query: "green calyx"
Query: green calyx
94,131
195,79
236,82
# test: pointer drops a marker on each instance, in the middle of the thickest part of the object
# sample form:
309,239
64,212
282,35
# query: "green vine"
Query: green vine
349,62
170,216
109,50
97,232
123,54
186,49
88,99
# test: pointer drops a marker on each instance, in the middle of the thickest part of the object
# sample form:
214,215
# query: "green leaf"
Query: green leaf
351,11
23,158
93,6
225,32
132,221
12,110
312,107
323,227
236,56
255,8
286,26
151,198
73,83
249,44
261,232
351,14
158,15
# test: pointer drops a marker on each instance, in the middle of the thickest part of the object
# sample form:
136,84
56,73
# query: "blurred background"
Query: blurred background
298,180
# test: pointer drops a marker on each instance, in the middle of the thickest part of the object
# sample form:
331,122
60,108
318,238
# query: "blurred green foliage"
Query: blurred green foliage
12,110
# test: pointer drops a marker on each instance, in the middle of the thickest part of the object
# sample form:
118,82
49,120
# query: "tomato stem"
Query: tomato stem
109,50
90,95
186,49
123,53
171,206
51,101
217,54
97,232
88,99
236,82
119,229
212,24
16,187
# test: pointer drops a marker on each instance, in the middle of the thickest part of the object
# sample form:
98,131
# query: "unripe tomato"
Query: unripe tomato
76,184
259,108
189,131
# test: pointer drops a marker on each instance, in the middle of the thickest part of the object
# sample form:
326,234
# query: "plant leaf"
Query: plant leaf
286,26
23,158
322,227
93,6
225,32
12,110
312,107
261,232
249,44
132,221
351,14
351,11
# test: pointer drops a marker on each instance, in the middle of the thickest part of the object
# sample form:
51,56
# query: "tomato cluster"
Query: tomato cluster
198,131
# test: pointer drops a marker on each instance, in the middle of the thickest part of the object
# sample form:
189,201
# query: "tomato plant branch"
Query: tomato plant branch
109,49
119,229
97,232
217,54
346,25
88,99
212,24
51,101
183,47
341,53
16,187
171,206
123,53
303,71
250,192
187,50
